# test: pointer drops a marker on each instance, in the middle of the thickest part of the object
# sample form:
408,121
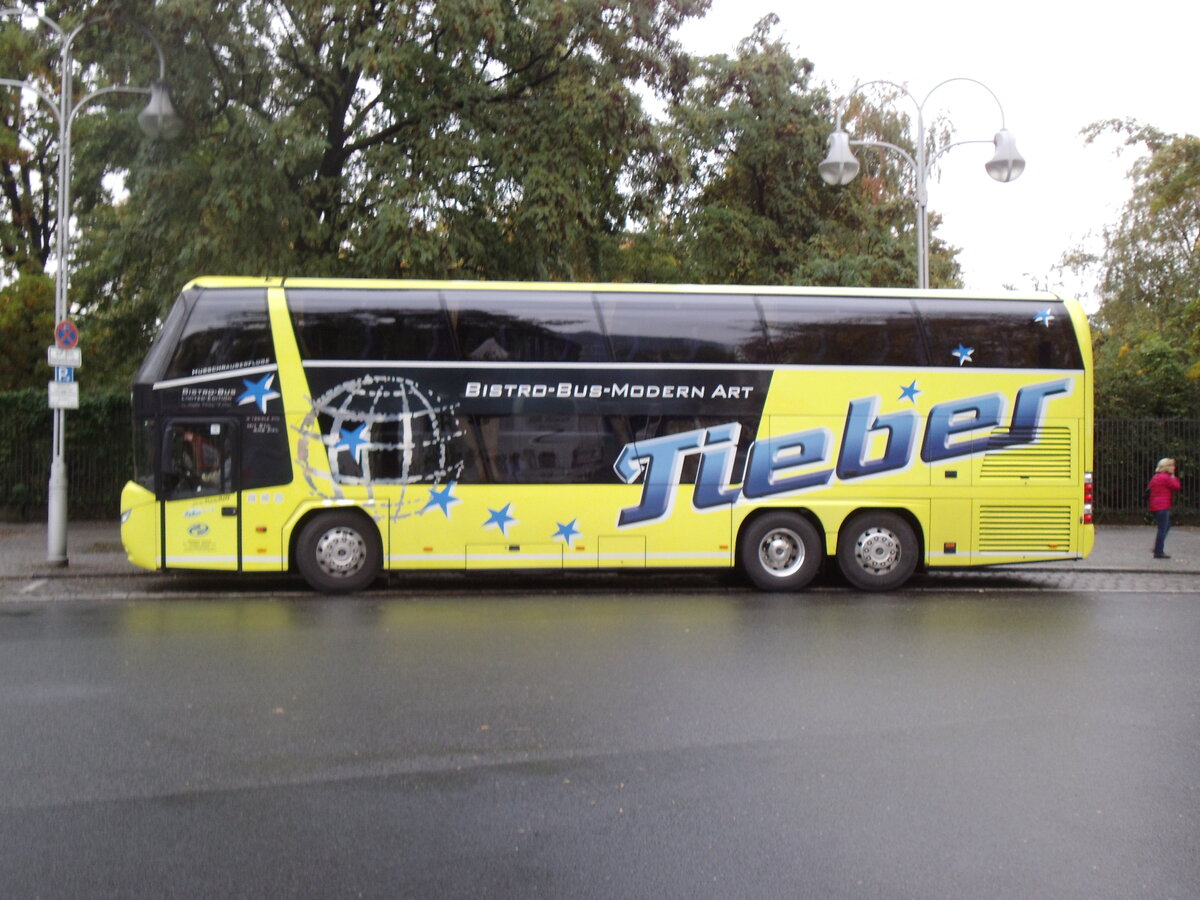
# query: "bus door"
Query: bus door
201,503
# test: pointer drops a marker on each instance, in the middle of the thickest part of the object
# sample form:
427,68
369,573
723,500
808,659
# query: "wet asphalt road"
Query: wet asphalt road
987,736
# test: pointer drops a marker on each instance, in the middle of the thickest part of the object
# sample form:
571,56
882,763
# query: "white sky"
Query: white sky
1055,65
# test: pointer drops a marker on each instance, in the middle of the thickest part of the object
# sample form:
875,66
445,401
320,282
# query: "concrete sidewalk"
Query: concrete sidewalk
94,549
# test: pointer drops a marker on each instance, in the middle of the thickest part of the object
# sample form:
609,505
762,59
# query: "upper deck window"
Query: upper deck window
360,324
155,364
526,326
682,328
999,334
832,331
225,329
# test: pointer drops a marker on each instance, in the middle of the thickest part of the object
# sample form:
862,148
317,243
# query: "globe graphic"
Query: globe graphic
377,430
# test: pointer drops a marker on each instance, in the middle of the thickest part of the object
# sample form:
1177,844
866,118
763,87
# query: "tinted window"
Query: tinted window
144,442
408,450
644,428
687,328
385,448
1000,333
155,366
370,324
831,331
197,459
266,458
226,329
533,326
548,449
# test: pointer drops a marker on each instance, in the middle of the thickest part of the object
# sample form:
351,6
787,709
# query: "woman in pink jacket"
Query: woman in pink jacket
1163,487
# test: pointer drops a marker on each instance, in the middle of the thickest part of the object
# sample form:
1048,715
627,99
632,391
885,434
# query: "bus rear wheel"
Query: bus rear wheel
877,551
339,552
780,551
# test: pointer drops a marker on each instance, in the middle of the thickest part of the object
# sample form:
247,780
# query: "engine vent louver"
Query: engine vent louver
1024,529
1042,453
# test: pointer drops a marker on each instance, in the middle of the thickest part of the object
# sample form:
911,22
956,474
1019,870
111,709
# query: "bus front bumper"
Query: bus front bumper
139,526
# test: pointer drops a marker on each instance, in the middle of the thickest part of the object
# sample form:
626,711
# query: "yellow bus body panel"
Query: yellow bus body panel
1005,503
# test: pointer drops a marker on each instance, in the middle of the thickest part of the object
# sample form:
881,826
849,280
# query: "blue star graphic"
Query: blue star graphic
258,392
442,498
353,441
568,532
910,393
1045,317
963,354
500,518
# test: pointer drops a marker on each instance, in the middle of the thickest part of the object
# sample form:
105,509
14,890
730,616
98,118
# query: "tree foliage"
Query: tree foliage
1148,323
463,137
447,139
28,156
741,200
26,329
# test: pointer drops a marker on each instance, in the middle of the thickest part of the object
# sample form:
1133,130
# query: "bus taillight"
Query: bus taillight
1089,496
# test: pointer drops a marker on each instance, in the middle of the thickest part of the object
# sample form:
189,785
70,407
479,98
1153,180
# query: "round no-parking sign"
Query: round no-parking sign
66,335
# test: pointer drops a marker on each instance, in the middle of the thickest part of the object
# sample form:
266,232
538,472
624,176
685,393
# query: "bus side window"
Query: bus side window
828,331
685,328
361,324
1002,333
549,449
544,326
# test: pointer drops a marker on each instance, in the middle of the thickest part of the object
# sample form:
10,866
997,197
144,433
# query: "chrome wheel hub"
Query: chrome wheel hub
781,552
341,552
877,550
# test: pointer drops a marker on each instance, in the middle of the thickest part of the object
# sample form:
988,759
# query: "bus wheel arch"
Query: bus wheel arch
337,551
780,549
879,549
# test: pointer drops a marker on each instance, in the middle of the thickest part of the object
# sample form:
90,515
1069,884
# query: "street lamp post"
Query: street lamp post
840,166
158,119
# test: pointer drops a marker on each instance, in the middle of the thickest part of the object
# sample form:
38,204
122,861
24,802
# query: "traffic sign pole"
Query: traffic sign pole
66,337
56,507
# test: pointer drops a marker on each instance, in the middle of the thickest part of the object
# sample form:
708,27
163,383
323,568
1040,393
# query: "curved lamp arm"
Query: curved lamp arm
158,119
1006,165
15,12
50,102
839,167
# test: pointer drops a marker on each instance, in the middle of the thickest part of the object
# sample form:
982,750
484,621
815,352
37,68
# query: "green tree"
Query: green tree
28,155
1148,322
463,138
26,330
742,202
1144,377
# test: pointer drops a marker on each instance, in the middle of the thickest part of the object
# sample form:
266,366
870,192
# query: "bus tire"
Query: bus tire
780,551
877,551
339,552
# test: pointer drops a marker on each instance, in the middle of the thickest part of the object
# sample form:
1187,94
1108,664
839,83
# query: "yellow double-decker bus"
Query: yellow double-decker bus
343,428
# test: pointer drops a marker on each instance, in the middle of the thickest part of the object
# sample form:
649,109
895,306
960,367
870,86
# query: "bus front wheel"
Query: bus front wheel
877,551
780,551
339,552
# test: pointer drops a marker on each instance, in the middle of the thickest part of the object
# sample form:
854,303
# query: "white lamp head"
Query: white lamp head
1007,164
839,166
159,119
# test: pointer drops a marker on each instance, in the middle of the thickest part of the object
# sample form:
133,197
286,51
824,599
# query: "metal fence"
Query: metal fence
1127,451
100,461
98,455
